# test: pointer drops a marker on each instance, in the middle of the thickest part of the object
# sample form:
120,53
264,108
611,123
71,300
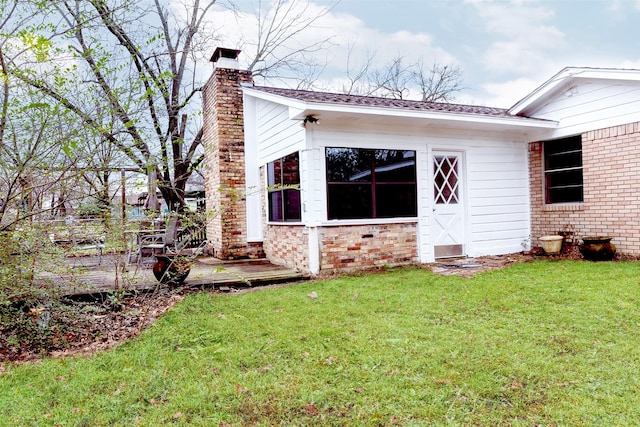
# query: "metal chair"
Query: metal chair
159,242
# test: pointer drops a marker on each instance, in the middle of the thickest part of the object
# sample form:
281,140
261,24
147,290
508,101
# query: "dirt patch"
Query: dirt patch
69,328
468,267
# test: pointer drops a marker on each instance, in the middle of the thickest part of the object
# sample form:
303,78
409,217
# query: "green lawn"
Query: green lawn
549,343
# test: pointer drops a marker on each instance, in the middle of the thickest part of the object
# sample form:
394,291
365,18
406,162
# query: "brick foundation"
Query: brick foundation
344,248
287,245
359,247
611,173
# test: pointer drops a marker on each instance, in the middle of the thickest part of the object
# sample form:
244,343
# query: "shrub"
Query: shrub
30,305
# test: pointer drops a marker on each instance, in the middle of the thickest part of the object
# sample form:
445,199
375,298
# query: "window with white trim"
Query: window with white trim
563,181
283,179
364,183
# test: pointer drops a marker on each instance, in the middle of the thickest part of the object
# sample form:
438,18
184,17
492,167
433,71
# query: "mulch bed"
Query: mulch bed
74,327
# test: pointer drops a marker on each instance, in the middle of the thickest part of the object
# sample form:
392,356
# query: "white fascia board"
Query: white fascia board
620,74
566,77
520,122
298,110
540,92
278,99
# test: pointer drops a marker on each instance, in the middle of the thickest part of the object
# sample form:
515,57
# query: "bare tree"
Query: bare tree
356,76
133,79
399,80
36,158
7,10
393,80
33,134
439,83
277,53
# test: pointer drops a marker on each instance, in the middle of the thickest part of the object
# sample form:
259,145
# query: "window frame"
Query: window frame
372,189
553,170
286,193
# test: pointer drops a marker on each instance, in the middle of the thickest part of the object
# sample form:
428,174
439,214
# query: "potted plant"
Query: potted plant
597,248
172,269
173,266
551,244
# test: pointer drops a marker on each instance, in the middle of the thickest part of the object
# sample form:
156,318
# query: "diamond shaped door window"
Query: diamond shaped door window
446,180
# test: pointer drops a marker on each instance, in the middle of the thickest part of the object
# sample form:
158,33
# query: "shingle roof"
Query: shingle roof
371,101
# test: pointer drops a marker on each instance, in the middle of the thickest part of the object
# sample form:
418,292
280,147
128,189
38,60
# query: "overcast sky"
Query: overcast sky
504,48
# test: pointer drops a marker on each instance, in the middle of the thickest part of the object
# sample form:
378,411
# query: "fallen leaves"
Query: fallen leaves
120,389
97,329
311,409
515,385
240,389
329,360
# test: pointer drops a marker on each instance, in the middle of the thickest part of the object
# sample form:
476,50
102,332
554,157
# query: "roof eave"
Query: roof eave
566,77
318,108
298,110
540,92
293,104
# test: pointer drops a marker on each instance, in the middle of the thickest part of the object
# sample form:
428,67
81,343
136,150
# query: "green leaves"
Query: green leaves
69,147
37,44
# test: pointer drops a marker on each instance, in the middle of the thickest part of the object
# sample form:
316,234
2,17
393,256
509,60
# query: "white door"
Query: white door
448,208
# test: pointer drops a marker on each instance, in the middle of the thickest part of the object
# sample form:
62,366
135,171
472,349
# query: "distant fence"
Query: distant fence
198,237
193,237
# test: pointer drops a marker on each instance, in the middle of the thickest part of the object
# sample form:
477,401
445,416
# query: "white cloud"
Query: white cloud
621,5
525,38
352,41
506,94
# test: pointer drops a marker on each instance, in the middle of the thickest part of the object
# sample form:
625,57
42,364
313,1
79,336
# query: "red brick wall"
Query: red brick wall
611,173
344,248
223,140
360,247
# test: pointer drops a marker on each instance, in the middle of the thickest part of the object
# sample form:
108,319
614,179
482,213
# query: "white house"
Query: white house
344,182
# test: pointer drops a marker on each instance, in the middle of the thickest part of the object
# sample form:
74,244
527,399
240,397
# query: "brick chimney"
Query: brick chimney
224,169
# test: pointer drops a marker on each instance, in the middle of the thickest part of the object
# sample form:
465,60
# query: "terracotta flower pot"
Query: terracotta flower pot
171,270
597,248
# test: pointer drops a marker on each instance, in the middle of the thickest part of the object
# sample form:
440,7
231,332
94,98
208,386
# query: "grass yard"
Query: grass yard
543,343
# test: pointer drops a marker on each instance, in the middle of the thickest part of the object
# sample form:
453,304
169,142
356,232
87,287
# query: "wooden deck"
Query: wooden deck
210,273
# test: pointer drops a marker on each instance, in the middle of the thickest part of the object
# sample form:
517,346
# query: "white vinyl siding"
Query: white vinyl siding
495,187
592,105
496,184
277,134
498,188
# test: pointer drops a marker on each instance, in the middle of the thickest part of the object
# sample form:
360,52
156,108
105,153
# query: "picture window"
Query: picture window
365,183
